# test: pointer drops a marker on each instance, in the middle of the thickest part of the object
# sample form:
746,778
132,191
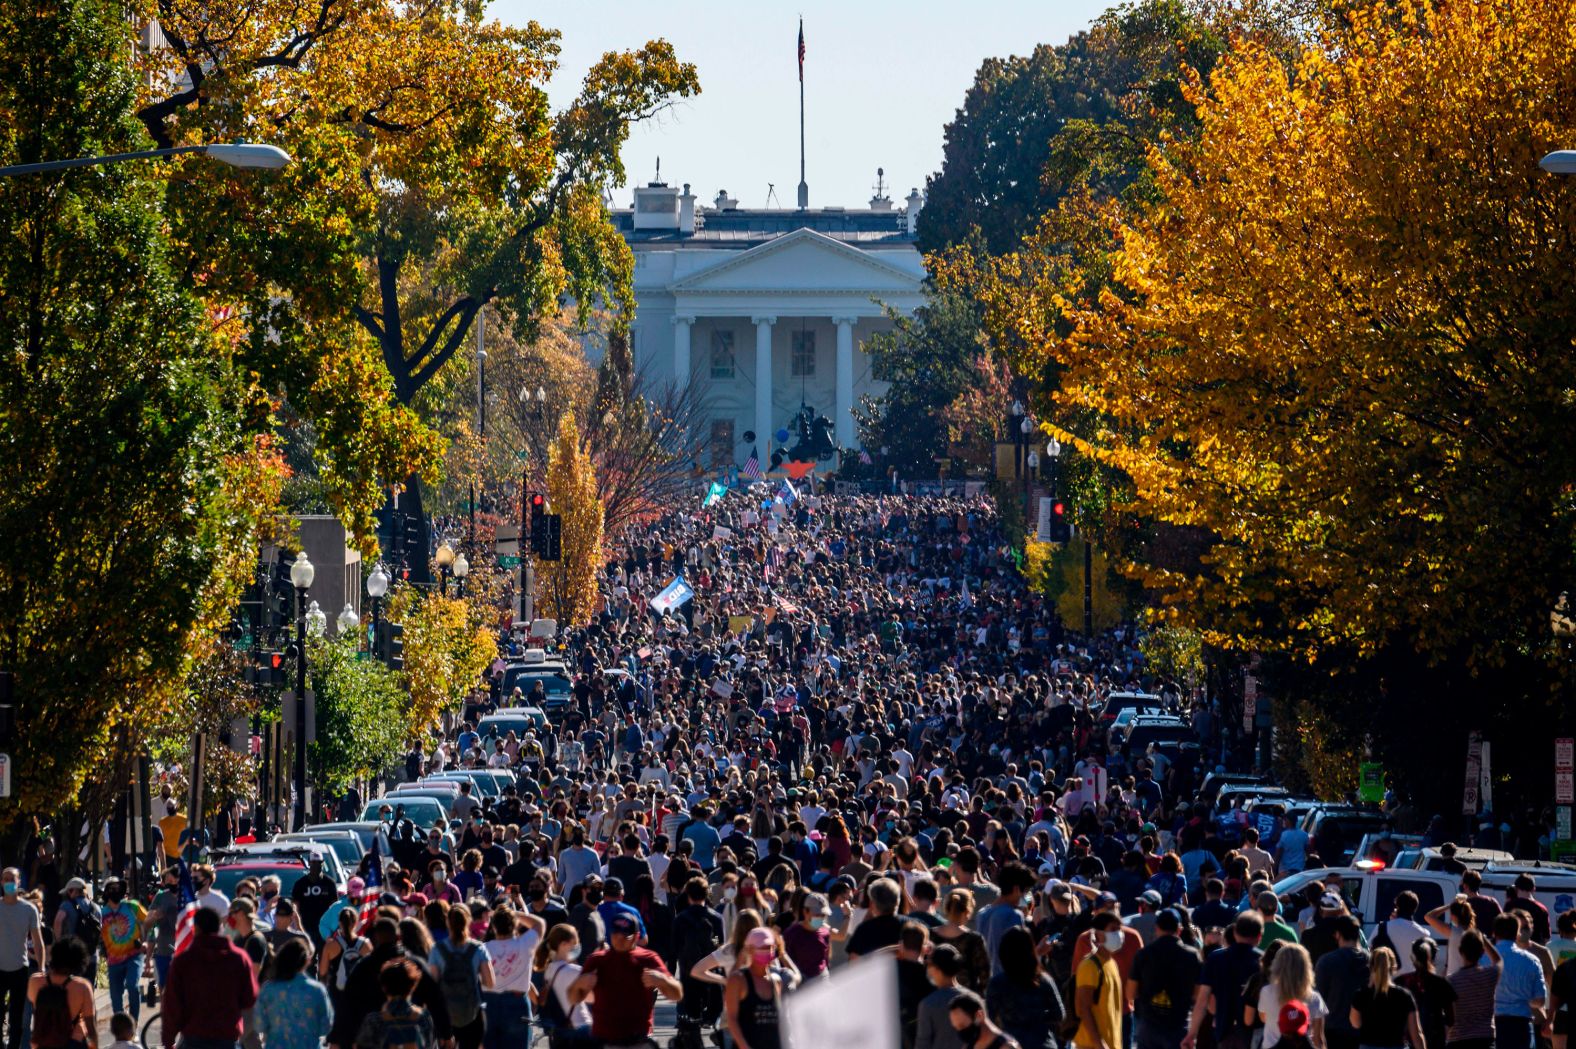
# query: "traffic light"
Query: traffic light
537,508
553,547
395,647
1061,528
413,539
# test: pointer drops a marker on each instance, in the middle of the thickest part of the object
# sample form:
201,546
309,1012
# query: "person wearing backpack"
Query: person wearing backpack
341,951
463,972
697,932
400,1023
564,1017
79,916
63,1012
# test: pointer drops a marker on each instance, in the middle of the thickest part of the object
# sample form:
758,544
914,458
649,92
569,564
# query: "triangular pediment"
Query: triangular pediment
803,260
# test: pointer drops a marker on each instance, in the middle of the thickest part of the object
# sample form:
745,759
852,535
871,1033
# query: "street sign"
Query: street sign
506,541
509,561
1370,782
1250,700
1562,823
1564,788
5,775
1564,753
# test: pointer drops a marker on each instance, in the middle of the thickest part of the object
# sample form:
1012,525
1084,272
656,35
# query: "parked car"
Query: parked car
1337,829
1216,780
1145,729
518,720
424,810
288,860
346,844
367,832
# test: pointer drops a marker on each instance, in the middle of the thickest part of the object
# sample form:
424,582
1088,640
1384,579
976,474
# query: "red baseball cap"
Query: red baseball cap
1294,1018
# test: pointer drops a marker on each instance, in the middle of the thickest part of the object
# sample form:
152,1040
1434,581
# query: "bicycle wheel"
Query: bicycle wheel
152,1032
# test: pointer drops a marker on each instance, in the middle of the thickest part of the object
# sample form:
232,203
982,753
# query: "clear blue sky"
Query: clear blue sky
881,81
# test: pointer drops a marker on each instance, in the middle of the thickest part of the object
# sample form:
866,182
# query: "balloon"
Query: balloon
782,435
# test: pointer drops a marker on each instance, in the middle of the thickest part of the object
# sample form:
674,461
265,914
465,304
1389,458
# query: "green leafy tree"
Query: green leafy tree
121,448
927,360
361,715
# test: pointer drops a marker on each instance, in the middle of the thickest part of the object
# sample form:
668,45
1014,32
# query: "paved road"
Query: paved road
664,1031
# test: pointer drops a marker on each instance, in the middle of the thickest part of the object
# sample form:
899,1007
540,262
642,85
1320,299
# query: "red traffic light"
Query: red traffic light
538,500
276,659
1059,509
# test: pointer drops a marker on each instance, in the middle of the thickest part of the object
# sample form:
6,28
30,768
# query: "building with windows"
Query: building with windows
767,310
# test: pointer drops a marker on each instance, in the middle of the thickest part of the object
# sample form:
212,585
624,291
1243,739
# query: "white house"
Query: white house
766,309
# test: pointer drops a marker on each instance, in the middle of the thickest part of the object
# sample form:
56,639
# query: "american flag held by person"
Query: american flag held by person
373,889
188,904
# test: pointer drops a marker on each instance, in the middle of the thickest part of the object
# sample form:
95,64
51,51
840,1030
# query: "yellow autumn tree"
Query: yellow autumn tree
568,586
1337,345
447,646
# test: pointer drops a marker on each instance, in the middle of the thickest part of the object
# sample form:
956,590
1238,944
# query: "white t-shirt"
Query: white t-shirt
560,976
511,961
1269,1011
214,900
1403,934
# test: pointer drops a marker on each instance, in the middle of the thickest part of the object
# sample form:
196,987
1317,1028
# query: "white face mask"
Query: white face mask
1113,940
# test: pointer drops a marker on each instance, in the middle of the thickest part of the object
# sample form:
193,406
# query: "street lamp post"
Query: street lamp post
235,154
461,569
377,586
348,620
1017,436
1028,475
481,406
302,572
444,559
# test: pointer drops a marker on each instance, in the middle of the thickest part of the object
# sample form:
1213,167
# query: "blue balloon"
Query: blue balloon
782,435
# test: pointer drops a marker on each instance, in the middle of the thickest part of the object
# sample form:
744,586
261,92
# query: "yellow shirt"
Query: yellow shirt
1106,979
172,827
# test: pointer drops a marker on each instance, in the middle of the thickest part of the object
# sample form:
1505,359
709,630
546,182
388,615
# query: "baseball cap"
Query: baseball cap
1293,1018
1151,897
759,937
1105,899
623,925
1061,891
1331,902
76,883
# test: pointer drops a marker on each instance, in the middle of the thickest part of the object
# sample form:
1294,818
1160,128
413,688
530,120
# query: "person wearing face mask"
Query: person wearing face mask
439,887
20,928
752,1000
207,895
1099,988
564,1015
160,923
123,924
974,1028
808,941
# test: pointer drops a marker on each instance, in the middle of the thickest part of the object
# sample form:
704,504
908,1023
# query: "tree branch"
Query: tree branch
419,378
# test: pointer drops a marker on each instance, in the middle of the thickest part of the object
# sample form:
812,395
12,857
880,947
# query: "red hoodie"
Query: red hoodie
211,985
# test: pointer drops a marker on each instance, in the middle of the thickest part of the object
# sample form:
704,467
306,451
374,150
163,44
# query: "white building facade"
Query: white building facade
764,311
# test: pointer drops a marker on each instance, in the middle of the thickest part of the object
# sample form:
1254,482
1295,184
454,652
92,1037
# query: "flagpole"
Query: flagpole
804,187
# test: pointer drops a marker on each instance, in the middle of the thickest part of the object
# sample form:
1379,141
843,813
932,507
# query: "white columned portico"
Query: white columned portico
763,385
681,350
844,419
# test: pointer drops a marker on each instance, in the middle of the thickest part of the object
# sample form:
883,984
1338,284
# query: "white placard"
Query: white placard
1563,754
856,1006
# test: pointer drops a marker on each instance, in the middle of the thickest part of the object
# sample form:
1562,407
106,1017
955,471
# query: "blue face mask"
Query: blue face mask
10,888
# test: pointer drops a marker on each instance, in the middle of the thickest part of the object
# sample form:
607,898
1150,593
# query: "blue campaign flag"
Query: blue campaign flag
714,494
672,596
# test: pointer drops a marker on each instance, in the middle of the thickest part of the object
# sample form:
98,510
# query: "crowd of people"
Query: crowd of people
863,741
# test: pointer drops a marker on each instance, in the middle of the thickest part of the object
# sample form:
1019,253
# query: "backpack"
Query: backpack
461,991
52,1020
695,939
1070,1021
344,962
551,1012
89,927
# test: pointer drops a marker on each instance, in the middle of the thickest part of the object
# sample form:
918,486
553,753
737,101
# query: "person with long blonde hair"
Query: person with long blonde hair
1291,980
1384,1014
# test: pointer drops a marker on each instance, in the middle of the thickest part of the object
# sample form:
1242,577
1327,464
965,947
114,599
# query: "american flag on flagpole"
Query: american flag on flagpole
752,467
188,902
774,558
373,890
801,50
864,457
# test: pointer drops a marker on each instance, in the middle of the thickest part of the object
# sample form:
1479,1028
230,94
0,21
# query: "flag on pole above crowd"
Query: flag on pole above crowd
788,492
801,50
864,457
672,596
187,900
752,467
714,494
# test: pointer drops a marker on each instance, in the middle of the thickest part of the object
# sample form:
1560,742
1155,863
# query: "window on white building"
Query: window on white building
721,443
722,356
803,355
